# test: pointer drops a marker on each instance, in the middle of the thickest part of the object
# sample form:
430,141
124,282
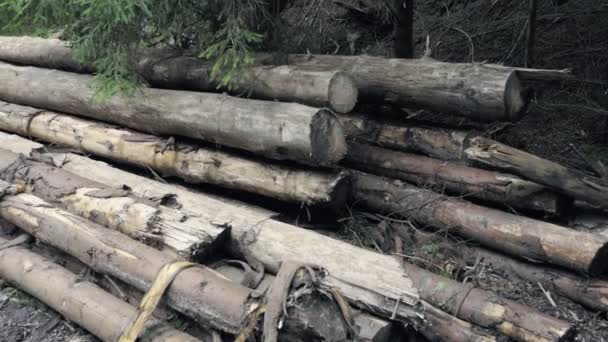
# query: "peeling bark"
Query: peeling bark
516,235
77,300
191,163
458,180
273,129
166,69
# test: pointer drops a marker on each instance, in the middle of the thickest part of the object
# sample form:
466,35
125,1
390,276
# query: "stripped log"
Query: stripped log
374,282
276,130
516,235
455,179
191,163
579,185
166,69
82,302
220,304
142,219
472,90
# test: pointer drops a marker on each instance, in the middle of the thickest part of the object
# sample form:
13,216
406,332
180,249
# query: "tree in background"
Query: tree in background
106,33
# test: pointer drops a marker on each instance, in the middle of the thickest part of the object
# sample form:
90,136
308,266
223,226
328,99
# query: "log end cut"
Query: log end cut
327,138
515,101
343,93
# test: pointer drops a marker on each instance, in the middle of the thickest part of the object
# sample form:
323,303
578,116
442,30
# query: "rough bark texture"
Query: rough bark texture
437,143
166,69
79,301
486,309
145,220
276,130
455,179
446,327
516,235
199,292
490,153
191,163
473,90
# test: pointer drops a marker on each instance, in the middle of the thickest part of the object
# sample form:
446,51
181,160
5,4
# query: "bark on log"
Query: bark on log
437,143
516,235
356,273
80,301
485,308
142,219
276,130
455,179
471,148
493,154
189,162
472,90
201,293
165,69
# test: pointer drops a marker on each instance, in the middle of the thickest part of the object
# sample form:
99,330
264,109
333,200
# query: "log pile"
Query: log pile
233,267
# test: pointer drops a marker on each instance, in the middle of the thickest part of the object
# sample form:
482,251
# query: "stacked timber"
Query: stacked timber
232,267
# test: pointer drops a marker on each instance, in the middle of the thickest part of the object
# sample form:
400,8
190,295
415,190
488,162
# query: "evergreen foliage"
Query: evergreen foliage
106,33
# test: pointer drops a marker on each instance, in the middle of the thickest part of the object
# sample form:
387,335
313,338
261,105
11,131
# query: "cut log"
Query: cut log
273,129
455,179
191,163
471,148
82,302
358,272
150,222
437,143
166,69
199,292
472,304
520,236
472,90
493,154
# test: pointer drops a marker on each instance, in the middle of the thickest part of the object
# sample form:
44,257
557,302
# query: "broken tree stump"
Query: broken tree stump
273,129
189,162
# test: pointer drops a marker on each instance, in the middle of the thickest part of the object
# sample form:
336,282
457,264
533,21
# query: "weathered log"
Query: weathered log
446,145
80,301
150,222
472,304
520,236
189,162
276,130
166,69
577,184
357,272
473,90
455,179
199,292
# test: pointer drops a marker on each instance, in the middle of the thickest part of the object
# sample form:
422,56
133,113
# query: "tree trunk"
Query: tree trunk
404,28
163,68
490,153
455,179
81,302
472,304
437,143
142,219
189,162
516,235
472,90
199,292
531,33
276,130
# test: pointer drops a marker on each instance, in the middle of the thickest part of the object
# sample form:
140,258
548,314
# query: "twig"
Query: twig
548,295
